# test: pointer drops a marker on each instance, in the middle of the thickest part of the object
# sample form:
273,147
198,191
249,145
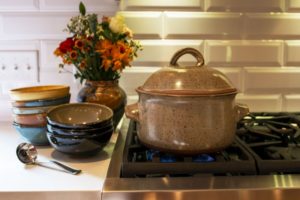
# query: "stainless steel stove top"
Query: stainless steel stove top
203,186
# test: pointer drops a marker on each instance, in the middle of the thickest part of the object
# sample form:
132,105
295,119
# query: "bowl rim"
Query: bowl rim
15,124
38,89
78,130
81,127
39,92
14,103
72,125
110,131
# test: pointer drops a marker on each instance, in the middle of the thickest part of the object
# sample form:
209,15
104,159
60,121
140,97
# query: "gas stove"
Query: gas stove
262,162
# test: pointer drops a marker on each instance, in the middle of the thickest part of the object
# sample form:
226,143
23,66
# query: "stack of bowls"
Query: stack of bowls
30,106
79,128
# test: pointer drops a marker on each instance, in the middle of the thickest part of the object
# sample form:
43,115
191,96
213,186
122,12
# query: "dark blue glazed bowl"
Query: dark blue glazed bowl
79,132
34,134
79,145
42,102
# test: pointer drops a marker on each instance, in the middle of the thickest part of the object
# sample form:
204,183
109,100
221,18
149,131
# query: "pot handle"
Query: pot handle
192,51
241,111
132,112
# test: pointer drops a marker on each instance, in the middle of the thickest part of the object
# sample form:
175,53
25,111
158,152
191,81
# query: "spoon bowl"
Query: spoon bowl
27,154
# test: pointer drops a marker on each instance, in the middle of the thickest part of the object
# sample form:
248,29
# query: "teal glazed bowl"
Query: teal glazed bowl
34,134
42,102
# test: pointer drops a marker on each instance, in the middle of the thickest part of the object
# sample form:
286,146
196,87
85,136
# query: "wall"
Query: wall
255,43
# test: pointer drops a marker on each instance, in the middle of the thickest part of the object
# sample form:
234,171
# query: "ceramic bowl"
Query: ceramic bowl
42,102
30,110
34,134
79,132
79,145
39,92
91,135
33,119
79,115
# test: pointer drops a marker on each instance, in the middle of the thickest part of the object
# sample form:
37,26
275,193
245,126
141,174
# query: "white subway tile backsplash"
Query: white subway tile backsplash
5,110
18,5
293,5
36,24
158,4
91,5
132,99
19,45
291,103
248,40
272,79
144,24
49,60
19,65
261,103
233,74
6,86
292,49
160,52
244,53
202,25
272,25
244,6
134,77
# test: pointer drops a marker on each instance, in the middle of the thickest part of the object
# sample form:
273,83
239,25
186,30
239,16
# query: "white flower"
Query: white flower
127,31
116,24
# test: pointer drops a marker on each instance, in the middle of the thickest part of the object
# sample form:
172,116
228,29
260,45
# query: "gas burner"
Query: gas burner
140,161
273,139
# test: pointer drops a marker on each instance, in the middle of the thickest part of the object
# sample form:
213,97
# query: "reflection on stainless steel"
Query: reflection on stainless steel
257,187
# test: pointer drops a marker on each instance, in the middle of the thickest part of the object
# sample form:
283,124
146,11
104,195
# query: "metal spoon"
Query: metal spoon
27,154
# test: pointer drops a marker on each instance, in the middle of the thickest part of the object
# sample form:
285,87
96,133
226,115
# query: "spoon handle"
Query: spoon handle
67,168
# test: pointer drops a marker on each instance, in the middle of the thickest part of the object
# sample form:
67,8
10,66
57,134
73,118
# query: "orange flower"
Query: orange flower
82,65
79,44
126,59
105,19
106,64
73,55
117,65
57,52
67,61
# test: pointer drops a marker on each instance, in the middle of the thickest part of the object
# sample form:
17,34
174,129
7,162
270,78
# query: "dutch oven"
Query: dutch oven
187,109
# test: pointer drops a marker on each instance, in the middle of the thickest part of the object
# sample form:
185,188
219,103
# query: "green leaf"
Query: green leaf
82,8
93,23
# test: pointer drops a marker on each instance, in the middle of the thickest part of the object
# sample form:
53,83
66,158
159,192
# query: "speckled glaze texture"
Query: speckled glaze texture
187,125
187,110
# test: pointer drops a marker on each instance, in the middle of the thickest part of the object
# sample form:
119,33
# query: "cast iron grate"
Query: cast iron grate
139,161
273,139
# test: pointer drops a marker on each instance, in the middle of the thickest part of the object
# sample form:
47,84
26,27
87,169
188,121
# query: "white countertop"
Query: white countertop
22,182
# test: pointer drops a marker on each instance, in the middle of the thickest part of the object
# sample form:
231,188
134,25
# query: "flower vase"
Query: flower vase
107,93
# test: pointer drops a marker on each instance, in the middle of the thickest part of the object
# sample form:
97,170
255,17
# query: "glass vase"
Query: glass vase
107,93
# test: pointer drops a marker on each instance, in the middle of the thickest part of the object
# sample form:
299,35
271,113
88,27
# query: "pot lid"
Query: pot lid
187,80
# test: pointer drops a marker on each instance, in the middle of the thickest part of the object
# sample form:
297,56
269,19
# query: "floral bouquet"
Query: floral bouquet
99,51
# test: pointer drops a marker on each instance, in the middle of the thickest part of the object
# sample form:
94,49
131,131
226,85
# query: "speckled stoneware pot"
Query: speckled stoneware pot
187,109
